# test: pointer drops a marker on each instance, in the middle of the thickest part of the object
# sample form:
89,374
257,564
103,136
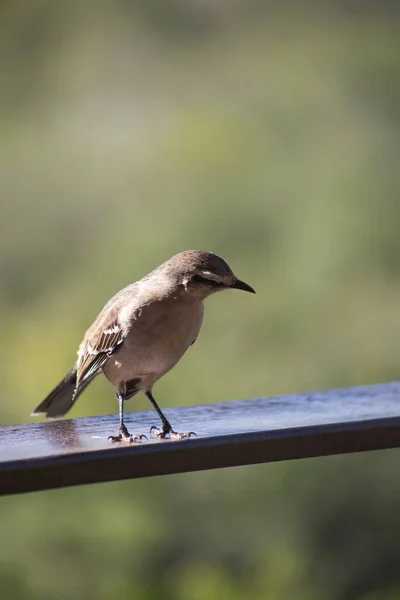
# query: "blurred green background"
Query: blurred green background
267,132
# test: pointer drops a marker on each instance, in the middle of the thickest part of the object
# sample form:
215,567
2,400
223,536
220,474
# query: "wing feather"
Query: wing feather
103,337
99,343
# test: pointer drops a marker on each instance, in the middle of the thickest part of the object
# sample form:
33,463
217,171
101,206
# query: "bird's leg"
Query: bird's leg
124,435
166,429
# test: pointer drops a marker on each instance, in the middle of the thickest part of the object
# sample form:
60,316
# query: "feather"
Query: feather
100,342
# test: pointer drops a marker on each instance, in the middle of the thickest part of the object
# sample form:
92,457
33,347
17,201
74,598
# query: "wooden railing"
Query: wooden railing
55,454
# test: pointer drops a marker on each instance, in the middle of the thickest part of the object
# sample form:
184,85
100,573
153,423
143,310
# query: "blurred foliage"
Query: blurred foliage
268,133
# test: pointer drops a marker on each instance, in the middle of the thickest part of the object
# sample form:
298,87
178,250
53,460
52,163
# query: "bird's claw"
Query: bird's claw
165,433
125,436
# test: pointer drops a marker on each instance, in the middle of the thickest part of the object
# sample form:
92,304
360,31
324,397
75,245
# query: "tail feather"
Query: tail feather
61,399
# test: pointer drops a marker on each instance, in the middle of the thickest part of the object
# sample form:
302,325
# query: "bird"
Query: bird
141,334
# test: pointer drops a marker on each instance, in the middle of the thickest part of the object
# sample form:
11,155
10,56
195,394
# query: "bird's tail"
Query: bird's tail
61,399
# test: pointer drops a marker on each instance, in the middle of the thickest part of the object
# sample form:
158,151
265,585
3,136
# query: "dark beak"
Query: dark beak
241,285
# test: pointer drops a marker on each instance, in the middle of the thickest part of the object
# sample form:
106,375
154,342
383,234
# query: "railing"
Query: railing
56,454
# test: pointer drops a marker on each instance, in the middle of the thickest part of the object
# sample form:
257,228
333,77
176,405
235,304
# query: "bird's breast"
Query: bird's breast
157,338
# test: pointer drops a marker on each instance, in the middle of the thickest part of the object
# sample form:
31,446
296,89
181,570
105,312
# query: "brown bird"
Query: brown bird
142,332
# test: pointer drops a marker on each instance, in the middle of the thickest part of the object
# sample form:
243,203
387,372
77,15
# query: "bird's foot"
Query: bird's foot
168,432
125,436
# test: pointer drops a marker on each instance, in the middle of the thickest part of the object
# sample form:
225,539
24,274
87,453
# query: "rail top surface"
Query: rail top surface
53,454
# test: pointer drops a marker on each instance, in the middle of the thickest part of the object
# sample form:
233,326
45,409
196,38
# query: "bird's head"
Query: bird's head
203,273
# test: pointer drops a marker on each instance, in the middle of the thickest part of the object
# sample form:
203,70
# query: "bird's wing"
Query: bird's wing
99,343
102,338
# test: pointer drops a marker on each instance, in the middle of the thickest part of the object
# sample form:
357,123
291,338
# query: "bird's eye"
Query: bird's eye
205,281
